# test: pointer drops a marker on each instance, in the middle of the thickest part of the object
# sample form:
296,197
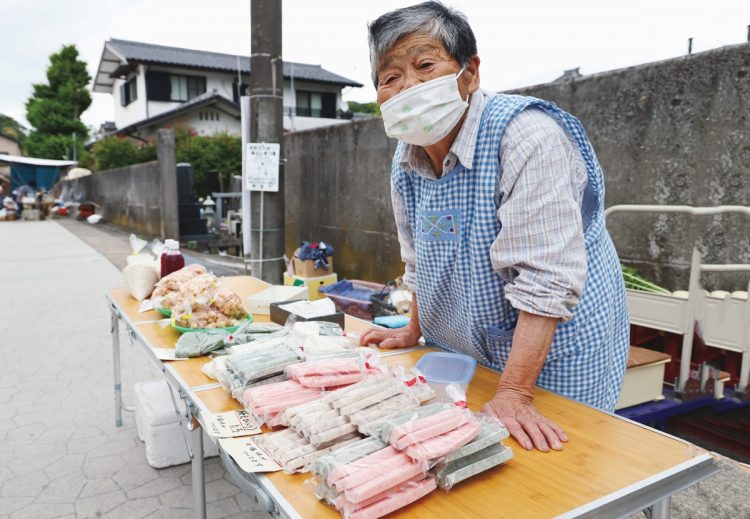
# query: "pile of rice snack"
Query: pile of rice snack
197,299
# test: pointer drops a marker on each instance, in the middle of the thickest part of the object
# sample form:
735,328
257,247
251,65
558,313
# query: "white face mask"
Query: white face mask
425,113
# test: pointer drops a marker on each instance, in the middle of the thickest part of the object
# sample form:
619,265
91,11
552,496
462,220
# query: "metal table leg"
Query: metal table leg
661,509
199,484
115,329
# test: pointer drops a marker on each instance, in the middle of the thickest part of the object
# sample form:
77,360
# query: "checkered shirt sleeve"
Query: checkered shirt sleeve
540,250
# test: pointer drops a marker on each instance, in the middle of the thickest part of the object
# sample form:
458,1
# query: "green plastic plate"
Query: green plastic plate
166,312
230,329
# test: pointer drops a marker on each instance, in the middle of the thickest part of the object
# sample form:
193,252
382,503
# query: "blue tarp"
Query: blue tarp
44,176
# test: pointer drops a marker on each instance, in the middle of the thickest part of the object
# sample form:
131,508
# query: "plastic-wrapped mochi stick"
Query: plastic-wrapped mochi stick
335,396
345,455
364,391
395,501
441,445
396,404
491,433
332,434
326,424
468,466
384,481
384,392
367,462
428,427
368,468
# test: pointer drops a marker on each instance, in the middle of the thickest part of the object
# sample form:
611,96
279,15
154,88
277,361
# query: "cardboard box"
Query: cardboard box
306,268
260,302
279,316
313,284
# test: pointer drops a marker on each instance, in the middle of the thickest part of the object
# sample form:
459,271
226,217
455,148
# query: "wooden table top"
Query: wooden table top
604,455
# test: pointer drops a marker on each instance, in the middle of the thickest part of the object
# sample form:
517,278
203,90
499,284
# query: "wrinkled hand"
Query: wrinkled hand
517,412
405,337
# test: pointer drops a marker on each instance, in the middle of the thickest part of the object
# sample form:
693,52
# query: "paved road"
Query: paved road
60,453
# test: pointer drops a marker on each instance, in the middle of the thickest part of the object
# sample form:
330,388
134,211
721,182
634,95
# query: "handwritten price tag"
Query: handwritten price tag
230,424
249,455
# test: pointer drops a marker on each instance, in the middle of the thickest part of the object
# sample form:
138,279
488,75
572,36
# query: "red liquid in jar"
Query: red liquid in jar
171,261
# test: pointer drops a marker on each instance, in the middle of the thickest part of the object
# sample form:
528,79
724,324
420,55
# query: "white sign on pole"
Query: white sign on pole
262,166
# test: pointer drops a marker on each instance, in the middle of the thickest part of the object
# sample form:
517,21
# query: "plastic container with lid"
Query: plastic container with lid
172,259
443,368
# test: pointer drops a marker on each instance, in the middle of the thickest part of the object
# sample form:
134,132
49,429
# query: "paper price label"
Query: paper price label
249,455
230,424
146,305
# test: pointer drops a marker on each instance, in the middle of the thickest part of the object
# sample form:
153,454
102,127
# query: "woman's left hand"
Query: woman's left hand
516,410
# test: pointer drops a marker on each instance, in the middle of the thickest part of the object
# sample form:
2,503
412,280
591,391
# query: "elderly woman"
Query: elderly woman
498,201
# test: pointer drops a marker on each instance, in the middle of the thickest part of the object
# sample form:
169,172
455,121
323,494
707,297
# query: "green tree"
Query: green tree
54,109
117,152
11,128
220,152
364,108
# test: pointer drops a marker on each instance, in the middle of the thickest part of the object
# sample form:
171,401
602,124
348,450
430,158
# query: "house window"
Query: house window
162,86
185,88
208,116
237,94
316,104
128,92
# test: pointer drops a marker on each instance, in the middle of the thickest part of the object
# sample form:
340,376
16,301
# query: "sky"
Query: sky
520,43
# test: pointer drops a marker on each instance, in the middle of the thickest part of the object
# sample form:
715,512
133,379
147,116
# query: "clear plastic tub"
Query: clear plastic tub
443,368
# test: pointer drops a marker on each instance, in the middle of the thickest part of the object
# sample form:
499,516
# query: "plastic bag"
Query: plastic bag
389,500
169,286
295,453
432,431
260,364
202,302
140,280
198,344
483,453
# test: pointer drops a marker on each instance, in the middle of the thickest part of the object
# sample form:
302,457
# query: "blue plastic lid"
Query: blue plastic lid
445,368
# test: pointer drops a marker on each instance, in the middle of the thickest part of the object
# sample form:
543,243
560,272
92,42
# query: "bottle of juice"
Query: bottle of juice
171,259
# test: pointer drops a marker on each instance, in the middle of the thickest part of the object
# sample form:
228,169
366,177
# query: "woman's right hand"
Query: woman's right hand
405,337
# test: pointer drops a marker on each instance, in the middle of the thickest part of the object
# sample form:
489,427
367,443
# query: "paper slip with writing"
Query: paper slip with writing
249,455
146,305
311,309
230,424
166,354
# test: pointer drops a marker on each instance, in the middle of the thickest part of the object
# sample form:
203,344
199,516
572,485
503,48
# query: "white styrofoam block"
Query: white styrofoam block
260,302
159,427
642,384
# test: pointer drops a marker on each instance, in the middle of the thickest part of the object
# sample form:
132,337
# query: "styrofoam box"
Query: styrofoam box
260,302
159,427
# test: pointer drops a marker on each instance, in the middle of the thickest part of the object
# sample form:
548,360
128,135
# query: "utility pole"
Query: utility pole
267,126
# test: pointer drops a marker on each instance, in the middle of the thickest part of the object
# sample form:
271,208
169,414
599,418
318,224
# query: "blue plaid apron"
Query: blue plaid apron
462,307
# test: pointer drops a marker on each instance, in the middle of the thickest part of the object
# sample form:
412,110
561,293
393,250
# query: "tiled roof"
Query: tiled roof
134,51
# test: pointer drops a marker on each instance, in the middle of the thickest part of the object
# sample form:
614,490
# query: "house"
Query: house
8,146
155,86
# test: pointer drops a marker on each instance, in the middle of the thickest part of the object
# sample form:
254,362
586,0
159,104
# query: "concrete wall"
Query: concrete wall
337,189
672,132
141,198
128,197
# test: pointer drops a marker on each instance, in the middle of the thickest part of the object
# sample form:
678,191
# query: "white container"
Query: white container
260,302
159,428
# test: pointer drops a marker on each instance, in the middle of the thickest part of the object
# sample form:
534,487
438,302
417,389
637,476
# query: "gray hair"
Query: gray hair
448,25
